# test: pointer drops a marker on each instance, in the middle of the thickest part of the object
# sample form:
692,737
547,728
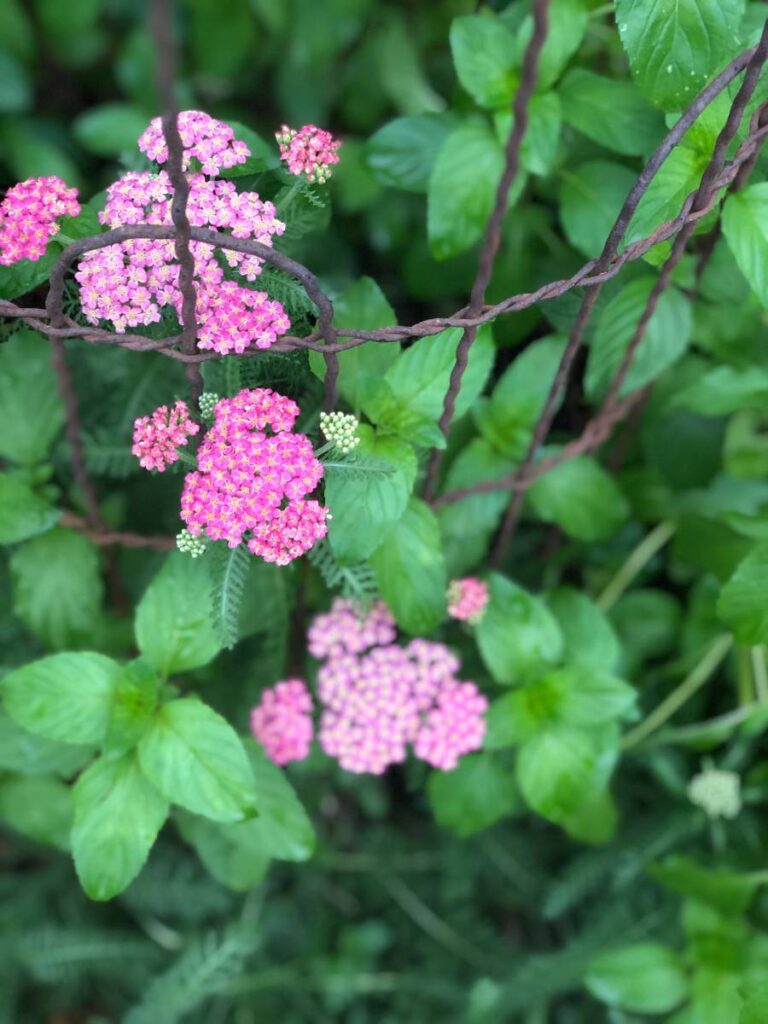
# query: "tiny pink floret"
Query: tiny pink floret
29,216
156,438
309,152
467,599
282,721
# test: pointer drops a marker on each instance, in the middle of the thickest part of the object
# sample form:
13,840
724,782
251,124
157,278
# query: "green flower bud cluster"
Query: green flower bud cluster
187,542
717,792
340,429
207,403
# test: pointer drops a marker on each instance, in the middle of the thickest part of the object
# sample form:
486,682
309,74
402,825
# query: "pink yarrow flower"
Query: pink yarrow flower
309,152
251,486
346,630
467,599
156,438
282,721
132,283
29,216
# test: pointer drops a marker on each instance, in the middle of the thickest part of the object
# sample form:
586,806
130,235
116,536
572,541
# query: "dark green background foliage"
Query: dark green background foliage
561,875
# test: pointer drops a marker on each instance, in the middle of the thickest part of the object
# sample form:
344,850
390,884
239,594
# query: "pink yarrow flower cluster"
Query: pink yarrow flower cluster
467,599
130,284
309,152
379,698
211,142
156,438
29,216
282,721
250,485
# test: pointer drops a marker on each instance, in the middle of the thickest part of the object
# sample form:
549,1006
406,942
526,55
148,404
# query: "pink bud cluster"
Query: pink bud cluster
467,599
379,697
130,284
282,721
29,214
251,485
211,142
156,437
309,152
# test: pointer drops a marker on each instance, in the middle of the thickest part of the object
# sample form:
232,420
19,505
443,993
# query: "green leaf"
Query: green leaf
462,188
518,636
238,854
581,498
507,419
410,570
264,155
725,389
24,276
590,640
22,513
66,697
743,603
559,768
591,697
118,815
31,410
611,112
755,992
484,56
229,577
467,525
40,808
538,150
480,791
196,759
15,88
591,198
727,892
27,754
417,381
744,225
675,48
594,820
57,588
666,337
110,128
365,506
643,978
134,705
173,618
677,177
402,153
567,23
362,305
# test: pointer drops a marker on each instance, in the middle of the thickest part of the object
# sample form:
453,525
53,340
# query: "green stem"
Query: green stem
635,563
689,686
186,457
759,673
285,202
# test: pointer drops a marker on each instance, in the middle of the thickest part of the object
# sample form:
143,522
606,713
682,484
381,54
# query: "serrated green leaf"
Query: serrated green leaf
744,227
591,198
610,111
27,754
40,808
133,707
567,23
643,978
365,506
57,587
22,513
65,697
31,410
410,570
484,56
480,791
589,638
118,815
173,618
110,128
743,603
518,636
195,759
580,497
675,48
402,153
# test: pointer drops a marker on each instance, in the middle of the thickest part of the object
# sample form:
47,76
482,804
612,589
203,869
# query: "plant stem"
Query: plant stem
689,686
285,202
759,673
633,565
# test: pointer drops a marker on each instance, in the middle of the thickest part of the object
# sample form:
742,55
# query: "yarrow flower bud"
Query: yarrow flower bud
717,792
250,486
467,599
156,438
193,546
340,429
310,151
207,403
29,214
282,721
